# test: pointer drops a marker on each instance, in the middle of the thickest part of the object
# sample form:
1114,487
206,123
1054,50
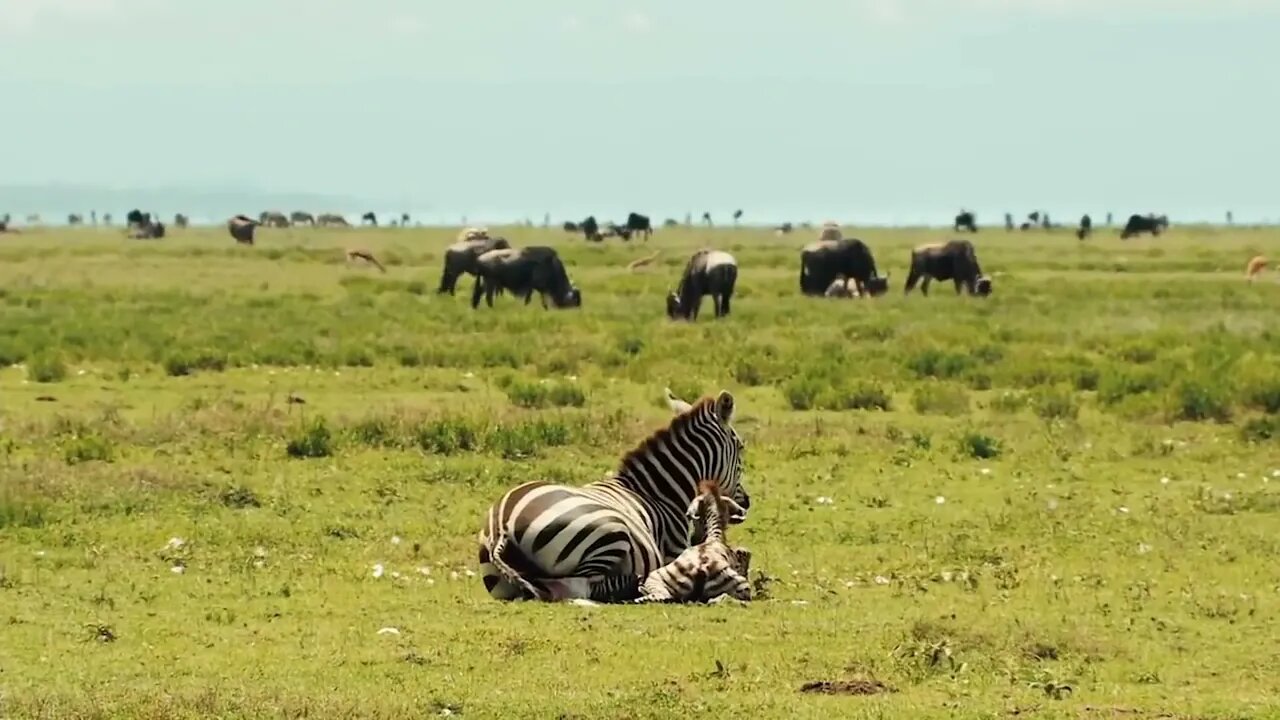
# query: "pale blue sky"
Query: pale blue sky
861,109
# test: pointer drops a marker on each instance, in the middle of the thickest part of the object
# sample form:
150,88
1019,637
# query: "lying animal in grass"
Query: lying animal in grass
708,571
643,262
357,254
1255,267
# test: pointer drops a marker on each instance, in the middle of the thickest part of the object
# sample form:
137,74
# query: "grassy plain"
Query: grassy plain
1061,501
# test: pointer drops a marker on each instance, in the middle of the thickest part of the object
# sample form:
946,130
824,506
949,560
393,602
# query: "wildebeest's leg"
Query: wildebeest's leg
924,286
962,283
476,292
724,302
913,277
447,281
489,288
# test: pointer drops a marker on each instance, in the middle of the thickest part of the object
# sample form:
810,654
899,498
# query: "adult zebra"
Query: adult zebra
627,525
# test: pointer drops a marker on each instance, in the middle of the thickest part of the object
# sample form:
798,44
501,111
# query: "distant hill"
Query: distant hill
54,202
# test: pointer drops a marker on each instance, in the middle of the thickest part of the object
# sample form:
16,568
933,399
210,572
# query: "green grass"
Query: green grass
1074,483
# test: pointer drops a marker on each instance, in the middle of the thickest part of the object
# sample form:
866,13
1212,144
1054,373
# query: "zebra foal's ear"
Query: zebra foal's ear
724,406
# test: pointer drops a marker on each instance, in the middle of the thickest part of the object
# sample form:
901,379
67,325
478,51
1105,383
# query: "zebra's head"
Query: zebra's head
727,469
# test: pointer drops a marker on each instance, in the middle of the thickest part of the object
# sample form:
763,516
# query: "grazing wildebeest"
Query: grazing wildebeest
273,218
591,229
461,259
1150,224
612,229
75,219
1086,227
369,218
638,223
571,227
137,217
331,219
824,261
953,260
241,228
301,217
783,229
965,221
522,272
152,230
708,272
181,221
670,222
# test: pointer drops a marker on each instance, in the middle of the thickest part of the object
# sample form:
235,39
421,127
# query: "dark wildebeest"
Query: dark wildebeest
706,219
181,221
461,259
953,260
737,215
571,226
241,228
708,272
783,229
823,261
638,223
273,218
152,230
1150,224
591,229
1086,227
522,272
300,217
670,222
137,217
370,218
330,219
614,230
965,221
75,219
1008,222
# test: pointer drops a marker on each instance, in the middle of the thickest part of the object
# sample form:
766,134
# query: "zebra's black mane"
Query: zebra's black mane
661,435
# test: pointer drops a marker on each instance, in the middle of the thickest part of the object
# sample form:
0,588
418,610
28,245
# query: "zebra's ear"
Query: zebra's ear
724,406
676,404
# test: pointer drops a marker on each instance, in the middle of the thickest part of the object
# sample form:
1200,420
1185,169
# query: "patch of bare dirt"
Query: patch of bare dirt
858,686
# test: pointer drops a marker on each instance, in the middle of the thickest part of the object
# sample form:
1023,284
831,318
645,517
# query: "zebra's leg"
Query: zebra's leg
653,590
495,581
496,551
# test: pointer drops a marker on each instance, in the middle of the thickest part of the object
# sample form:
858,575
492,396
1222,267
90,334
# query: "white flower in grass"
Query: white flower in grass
824,500
174,543
940,500
177,569
1123,510
389,631
395,539
378,570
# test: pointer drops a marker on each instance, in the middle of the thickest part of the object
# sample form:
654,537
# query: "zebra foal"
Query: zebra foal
711,568
541,540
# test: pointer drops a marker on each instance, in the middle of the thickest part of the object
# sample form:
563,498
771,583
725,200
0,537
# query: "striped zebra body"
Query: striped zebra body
706,570
597,540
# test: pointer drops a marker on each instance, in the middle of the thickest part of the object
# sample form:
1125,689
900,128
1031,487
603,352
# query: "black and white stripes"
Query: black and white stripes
627,525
